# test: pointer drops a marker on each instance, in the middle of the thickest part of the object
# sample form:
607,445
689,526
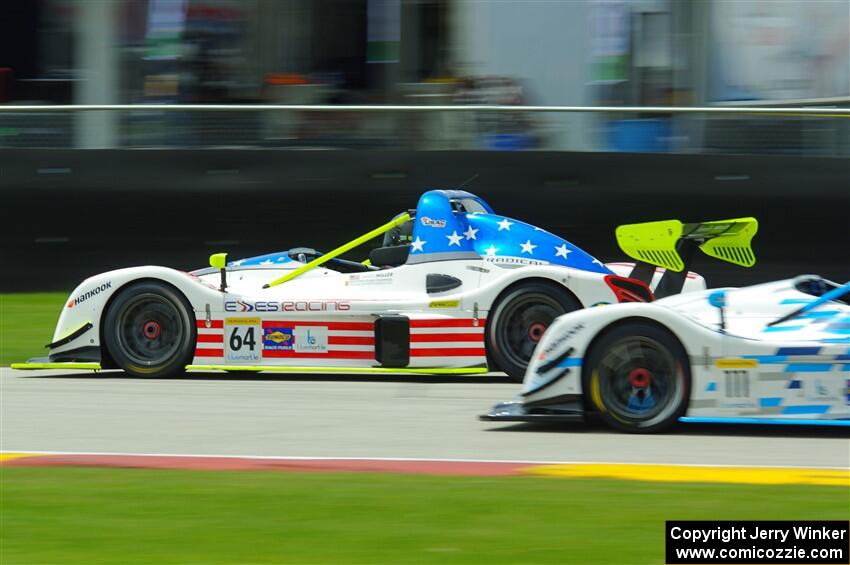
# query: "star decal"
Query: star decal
418,244
454,239
527,247
505,225
470,233
267,262
282,258
598,262
237,263
562,251
491,251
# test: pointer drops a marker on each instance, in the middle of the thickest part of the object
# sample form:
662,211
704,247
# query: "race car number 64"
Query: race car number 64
242,340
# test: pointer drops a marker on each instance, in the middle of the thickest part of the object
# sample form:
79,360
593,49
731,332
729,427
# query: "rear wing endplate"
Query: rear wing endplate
671,244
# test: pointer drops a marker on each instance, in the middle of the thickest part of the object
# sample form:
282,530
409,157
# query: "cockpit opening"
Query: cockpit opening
396,244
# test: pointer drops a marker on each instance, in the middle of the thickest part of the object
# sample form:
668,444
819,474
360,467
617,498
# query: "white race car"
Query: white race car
771,353
454,288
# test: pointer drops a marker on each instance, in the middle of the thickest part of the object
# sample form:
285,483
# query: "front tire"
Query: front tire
638,378
518,321
149,330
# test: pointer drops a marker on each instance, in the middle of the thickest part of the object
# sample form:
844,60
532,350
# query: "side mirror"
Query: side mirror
718,300
219,261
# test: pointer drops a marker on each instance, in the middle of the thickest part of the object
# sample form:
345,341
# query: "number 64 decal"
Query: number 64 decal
242,340
247,339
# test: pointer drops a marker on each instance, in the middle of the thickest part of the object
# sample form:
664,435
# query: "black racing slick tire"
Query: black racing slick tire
149,330
518,320
637,377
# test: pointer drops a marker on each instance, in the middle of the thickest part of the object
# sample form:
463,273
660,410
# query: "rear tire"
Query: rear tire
149,330
519,319
638,378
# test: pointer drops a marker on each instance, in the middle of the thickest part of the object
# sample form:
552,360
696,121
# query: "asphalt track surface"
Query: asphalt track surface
355,416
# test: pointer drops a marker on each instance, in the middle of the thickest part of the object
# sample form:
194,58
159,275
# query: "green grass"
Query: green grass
79,515
27,321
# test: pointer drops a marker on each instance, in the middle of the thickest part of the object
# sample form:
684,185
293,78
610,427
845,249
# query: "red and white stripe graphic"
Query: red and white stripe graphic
432,341
210,339
446,337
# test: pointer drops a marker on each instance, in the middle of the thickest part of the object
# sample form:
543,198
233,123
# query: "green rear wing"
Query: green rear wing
660,243
671,244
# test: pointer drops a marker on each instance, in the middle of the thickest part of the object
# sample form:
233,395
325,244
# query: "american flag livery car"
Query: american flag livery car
454,287
773,353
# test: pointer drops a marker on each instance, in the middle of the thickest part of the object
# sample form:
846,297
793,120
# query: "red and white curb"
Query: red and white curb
828,476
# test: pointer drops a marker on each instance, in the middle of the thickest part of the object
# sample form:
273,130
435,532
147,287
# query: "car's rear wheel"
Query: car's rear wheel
149,330
637,377
519,320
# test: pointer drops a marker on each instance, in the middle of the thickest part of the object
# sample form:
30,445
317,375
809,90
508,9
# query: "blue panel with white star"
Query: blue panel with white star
277,258
499,236
439,229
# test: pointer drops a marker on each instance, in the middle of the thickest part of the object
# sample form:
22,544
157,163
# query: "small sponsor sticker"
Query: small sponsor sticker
517,261
432,223
736,363
89,294
821,389
564,337
369,279
241,321
278,339
444,304
311,339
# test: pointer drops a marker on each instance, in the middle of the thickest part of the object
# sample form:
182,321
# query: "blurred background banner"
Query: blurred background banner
427,52
384,37
166,24
779,50
302,170
610,38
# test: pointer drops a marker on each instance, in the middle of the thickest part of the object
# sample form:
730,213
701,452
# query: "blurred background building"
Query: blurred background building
426,52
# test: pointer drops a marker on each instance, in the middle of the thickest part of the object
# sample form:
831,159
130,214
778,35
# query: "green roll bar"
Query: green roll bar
339,250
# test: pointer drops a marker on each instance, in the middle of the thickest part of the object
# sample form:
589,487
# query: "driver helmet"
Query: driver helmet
401,234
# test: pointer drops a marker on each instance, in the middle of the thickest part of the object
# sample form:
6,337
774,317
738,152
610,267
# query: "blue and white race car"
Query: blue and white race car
455,287
771,353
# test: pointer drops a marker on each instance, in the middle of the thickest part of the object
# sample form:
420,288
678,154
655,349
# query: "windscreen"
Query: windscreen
817,286
468,205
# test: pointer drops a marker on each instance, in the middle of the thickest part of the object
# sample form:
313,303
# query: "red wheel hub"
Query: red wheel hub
536,331
151,329
640,377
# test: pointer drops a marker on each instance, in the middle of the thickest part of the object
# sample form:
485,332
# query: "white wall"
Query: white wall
543,43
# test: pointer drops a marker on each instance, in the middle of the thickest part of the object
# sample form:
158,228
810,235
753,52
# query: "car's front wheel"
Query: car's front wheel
518,321
637,377
149,330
